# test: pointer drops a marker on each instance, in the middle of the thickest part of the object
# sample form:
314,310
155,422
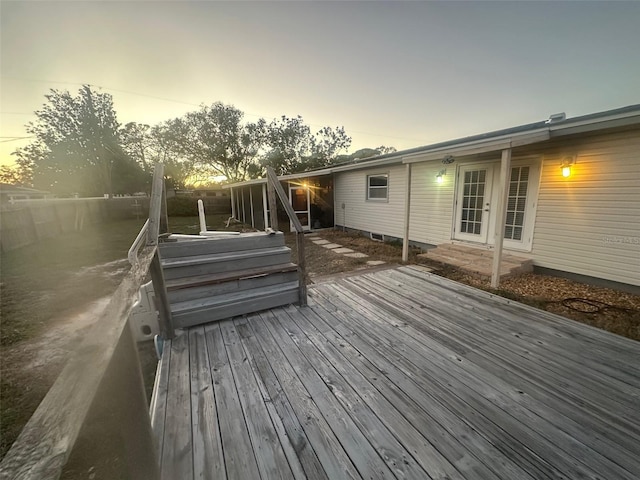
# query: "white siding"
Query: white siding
384,217
431,203
589,223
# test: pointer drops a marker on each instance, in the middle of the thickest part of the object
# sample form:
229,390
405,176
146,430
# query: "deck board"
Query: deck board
399,374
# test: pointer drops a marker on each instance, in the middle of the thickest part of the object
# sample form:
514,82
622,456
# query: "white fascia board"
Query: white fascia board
367,164
292,176
246,183
570,128
481,146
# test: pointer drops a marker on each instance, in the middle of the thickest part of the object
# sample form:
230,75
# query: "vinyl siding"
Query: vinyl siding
589,223
431,204
383,217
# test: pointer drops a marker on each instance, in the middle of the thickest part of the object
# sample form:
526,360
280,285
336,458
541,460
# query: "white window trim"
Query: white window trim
369,187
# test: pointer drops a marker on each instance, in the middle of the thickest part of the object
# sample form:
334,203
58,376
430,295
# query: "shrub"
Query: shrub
182,207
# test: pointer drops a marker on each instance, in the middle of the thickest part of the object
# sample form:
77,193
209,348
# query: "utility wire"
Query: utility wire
191,104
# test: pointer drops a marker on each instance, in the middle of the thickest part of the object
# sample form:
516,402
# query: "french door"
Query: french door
473,205
477,196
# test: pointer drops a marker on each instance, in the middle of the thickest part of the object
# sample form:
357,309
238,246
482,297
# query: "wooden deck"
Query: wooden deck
399,374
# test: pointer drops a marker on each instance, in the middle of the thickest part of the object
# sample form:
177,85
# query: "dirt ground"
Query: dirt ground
32,361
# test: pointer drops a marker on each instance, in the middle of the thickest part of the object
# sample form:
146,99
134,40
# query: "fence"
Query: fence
28,221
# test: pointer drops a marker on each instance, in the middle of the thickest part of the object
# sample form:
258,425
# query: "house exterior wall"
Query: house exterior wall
589,223
431,210
353,210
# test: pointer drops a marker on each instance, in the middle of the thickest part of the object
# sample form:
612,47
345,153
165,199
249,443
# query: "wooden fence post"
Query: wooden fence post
162,300
133,409
164,217
273,207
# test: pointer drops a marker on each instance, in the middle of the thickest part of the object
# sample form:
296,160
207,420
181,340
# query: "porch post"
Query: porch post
253,222
265,208
407,210
505,168
233,204
244,212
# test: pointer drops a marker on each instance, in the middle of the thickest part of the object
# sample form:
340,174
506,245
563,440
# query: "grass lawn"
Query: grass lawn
44,286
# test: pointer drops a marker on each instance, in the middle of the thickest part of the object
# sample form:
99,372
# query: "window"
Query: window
517,202
377,187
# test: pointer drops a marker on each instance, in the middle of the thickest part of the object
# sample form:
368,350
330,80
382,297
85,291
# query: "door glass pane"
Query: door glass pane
299,199
516,204
472,201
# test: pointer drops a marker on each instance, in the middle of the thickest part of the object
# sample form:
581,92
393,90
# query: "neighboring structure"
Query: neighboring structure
563,192
216,199
10,193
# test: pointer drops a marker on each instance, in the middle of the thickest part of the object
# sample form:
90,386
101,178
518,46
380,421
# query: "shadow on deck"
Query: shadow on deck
398,374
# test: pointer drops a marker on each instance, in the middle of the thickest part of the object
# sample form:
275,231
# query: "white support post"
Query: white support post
501,217
265,206
233,204
244,214
202,216
253,222
407,213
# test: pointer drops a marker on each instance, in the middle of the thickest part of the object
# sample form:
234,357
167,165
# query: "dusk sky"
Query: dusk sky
392,73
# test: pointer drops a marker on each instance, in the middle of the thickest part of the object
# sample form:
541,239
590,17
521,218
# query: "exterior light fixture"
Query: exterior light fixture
440,175
567,163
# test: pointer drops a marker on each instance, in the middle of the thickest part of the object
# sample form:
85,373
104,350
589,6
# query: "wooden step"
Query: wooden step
211,245
191,266
221,277
238,284
205,310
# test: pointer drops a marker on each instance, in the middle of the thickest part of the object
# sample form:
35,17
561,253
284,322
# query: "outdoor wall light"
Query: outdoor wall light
440,175
567,163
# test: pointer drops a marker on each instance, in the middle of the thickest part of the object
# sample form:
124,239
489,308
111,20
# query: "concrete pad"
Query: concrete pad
373,263
342,250
332,245
356,255
321,241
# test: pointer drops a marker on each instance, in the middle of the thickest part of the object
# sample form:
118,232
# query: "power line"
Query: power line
187,103
15,139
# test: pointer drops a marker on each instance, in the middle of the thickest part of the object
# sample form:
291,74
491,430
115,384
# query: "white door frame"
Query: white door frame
525,243
306,212
472,215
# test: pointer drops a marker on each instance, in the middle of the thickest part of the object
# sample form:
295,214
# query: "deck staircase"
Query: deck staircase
477,261
211,279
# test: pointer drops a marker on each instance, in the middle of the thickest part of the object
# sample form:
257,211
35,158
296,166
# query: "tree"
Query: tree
293,148
14,175
215,140
77,146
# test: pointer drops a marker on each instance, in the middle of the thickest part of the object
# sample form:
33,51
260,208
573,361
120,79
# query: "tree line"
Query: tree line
79,147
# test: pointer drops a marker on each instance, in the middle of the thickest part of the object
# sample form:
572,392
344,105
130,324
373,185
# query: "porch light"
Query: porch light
567,163
440,175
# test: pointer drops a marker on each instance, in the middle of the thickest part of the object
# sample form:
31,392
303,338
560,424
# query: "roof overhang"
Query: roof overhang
292,176
481,146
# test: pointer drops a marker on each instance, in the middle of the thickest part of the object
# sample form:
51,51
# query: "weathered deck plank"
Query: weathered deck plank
208,460
399,374
493,395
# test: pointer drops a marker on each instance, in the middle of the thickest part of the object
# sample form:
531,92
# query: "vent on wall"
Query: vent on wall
377,237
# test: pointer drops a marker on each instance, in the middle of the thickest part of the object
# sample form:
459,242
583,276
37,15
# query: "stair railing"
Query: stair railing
103,373
275,189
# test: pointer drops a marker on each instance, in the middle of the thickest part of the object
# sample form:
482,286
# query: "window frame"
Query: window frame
369,198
